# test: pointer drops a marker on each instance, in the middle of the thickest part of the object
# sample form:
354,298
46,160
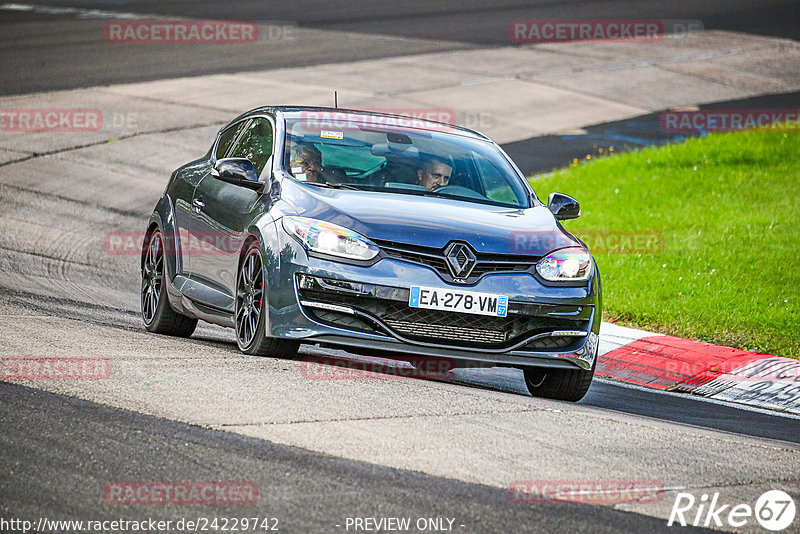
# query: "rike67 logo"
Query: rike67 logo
774,510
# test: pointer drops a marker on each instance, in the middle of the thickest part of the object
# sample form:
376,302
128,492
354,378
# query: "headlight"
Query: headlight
567,265
328,238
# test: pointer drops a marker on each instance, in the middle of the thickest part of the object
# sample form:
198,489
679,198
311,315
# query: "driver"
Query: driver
306,165
434,173
306,162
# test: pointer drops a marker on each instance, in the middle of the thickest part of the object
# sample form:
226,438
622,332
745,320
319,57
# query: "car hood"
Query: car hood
431,221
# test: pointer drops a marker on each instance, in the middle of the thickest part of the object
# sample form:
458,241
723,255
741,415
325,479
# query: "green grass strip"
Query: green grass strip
699,239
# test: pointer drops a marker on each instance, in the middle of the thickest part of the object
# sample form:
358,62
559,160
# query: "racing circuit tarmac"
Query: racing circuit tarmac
319,450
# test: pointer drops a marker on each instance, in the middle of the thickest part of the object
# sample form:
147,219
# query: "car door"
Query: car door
183,193
222,212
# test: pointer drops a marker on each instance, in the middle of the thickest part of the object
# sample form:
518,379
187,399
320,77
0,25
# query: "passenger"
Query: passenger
434,173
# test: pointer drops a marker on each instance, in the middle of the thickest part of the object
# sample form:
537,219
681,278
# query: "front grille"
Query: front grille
435,259
437,263
395,317
451,333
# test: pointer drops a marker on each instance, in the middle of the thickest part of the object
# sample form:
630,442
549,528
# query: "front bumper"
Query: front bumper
326,302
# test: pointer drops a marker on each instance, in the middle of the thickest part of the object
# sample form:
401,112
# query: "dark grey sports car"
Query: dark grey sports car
375,233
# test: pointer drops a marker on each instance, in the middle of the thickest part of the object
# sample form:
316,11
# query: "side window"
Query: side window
495,182
227,137
255,143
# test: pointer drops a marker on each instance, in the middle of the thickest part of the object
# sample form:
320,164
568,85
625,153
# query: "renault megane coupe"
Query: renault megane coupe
378,234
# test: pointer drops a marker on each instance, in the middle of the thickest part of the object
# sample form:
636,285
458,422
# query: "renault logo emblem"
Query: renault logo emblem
460,259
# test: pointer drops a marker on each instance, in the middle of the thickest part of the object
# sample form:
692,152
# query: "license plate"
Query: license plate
458,301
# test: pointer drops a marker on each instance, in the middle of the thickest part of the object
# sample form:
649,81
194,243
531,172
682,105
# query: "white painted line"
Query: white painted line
82,13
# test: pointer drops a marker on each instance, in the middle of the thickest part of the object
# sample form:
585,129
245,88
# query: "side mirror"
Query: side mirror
237,171
563,206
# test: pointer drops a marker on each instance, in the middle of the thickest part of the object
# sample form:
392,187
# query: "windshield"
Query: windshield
372,153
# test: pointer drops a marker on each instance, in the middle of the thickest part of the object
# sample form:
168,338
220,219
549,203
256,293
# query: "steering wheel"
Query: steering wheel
460,191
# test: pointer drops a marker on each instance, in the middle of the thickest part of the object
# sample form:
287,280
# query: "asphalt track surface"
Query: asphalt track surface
48,49
305,491
59,291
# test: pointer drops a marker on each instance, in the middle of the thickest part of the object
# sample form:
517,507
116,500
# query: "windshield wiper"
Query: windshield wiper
333,186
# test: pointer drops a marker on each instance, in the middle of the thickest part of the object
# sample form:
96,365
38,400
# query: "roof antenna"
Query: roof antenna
335,100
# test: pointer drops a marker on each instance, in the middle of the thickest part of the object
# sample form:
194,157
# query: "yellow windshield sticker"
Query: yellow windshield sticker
330,134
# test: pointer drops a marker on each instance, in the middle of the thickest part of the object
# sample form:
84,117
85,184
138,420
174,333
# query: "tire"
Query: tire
249,316
560,384
157,314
